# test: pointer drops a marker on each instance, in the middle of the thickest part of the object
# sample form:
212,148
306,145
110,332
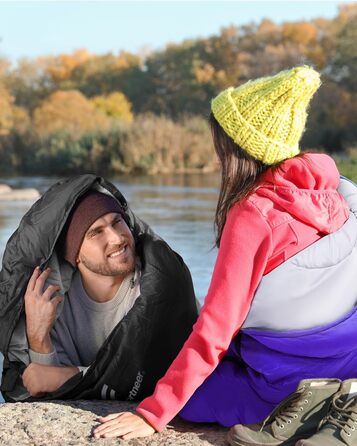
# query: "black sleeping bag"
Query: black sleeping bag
141,347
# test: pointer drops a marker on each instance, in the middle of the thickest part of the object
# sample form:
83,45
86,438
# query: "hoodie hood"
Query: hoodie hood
305,187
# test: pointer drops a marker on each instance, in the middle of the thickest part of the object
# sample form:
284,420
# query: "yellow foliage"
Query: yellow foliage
115,105
70,111
6,116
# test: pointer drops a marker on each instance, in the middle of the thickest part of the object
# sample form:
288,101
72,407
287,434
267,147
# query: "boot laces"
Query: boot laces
342,414
288,409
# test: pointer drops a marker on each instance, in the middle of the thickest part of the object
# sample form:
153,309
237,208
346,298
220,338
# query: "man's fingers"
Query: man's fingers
32,282
27,379
50,290
41,280
57,300
24,378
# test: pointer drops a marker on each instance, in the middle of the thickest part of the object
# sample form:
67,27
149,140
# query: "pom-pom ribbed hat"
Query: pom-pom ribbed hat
266,117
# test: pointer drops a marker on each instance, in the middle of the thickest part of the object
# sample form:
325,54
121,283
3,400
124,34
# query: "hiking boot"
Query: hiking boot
298,416
339,427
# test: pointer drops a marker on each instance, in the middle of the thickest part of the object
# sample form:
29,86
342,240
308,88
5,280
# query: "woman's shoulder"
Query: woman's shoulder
258,207
249,214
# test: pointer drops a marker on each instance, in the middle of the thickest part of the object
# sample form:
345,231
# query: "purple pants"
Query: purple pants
246,386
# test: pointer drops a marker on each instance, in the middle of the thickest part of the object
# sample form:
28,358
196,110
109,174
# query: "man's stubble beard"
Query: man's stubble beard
105,269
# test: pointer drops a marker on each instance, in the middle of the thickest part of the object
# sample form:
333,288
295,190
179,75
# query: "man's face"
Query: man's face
108,247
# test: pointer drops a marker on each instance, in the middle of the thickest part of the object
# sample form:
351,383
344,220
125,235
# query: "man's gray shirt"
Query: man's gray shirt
85,324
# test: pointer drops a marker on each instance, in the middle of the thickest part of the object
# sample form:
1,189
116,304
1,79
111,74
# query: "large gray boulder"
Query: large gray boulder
60,423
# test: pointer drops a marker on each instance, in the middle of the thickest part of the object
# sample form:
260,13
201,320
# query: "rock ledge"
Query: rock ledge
70,423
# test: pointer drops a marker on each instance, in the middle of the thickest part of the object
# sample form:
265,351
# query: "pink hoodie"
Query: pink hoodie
291,209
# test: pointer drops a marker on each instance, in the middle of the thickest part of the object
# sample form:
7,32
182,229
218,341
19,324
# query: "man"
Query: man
104,321
99,243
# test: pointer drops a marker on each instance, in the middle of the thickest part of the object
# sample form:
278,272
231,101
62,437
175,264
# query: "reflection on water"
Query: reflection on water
180,208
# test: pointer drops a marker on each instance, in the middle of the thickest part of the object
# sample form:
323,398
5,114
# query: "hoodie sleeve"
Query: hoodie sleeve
44,358
245,247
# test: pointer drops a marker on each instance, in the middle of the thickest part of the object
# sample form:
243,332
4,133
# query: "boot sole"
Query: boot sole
291,442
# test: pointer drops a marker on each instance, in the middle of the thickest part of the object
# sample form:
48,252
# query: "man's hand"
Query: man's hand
39,378
125,424
40,311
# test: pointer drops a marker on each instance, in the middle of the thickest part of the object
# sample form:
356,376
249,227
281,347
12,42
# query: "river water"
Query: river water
180,208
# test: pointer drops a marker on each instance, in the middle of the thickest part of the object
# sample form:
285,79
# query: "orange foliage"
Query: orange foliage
347,11
61,67
300,32
205,74
69,111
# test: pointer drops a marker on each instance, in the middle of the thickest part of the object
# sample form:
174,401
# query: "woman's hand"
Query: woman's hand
125,424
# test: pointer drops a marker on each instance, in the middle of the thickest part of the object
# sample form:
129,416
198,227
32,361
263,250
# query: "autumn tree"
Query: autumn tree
180,80
29,83
344,61
331,124
104,74
115,105
79,103
68,111
60,68
6,112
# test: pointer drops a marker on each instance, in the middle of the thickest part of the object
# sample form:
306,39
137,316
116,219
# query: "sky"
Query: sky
38,28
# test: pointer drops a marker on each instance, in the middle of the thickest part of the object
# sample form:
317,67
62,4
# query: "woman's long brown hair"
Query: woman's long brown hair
241,174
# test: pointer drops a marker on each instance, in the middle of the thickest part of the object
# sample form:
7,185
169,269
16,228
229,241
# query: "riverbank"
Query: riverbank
71,423
7,193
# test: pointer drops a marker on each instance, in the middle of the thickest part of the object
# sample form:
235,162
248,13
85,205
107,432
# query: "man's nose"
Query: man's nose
115,235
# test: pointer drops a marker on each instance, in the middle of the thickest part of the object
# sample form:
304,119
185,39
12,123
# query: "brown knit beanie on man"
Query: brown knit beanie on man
87,209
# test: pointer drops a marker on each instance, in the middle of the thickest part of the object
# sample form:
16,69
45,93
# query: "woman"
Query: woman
273,204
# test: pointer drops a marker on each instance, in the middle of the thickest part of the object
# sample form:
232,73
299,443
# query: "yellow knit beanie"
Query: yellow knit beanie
266,117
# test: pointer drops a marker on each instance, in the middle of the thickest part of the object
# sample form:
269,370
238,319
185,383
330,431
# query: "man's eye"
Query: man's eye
117,221
94,233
